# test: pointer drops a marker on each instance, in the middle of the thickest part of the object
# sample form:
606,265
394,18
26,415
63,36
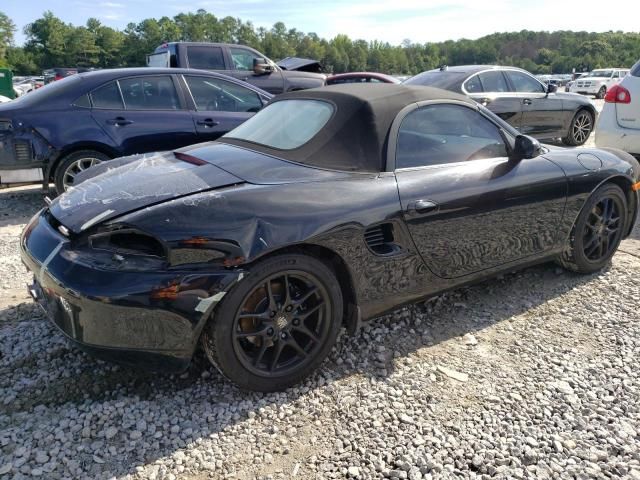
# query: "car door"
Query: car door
219,106
542,112
490,88
242,68
143,114
467,205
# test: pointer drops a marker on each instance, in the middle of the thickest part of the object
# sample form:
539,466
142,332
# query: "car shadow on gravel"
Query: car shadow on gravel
58,377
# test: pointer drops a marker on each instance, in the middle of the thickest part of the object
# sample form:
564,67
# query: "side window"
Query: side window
212,94
108,97
616,75
242,58
441,134
524,83
149,93
473,85
205,58
493,81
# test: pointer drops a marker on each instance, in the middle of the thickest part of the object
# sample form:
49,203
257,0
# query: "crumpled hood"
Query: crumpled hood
128,184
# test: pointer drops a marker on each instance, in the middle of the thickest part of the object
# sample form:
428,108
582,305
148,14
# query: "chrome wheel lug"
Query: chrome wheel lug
296,322
272,314
289,308
283,335
270,332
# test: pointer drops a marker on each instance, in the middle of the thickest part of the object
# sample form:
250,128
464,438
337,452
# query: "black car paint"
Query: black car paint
55,126
541,116
248,205
278,81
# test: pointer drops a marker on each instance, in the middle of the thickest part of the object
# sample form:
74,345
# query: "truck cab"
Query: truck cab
238,61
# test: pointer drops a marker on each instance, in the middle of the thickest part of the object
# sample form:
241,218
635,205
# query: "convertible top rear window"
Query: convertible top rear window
285,125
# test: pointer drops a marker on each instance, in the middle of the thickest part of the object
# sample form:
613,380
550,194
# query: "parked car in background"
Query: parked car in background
239,61
519,98
4,99
55,74
57,131
576,76
360,77
329,207
619,121
598,82
300,64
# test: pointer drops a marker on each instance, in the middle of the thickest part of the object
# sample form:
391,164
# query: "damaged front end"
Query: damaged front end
120,291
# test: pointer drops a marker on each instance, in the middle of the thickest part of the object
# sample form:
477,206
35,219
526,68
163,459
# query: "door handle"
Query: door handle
208,122
422,207
119,121
527,101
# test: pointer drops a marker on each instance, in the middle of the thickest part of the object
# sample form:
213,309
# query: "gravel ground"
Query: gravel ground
530,375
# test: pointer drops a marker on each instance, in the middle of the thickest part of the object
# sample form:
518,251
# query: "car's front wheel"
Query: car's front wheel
73,164
277,325
580,129
601,93
598,230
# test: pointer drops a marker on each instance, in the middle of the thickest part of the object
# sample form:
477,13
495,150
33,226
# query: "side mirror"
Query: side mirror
261,66
526,147
551,88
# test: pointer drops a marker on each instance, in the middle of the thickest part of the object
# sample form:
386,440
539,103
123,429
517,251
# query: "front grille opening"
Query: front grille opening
128,242
380,239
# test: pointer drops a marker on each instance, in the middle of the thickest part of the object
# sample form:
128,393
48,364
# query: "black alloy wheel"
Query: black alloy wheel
602,229
598,231
277,325
580,129
281,324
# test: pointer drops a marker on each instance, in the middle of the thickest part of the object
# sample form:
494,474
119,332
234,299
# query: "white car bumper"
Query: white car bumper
609,133
590,90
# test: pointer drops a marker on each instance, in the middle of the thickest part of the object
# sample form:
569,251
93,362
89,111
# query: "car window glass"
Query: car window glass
149,93
616,75
441,134
493,81
473,85
242,59
206,58
524,83
286,124
212,94
107,96
83,101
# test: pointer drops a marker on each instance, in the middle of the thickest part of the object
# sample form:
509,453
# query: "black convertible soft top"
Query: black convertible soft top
355,137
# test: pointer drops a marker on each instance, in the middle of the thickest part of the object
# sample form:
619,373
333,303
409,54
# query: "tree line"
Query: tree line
50,42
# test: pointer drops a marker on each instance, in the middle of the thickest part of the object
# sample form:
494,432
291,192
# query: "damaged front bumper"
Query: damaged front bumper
149,319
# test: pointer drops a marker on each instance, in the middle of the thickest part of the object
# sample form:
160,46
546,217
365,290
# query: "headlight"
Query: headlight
128,242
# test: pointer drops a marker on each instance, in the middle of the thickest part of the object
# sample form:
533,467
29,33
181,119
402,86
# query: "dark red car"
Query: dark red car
361,77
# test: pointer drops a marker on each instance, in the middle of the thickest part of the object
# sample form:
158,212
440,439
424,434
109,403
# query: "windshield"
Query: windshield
601,73
285,125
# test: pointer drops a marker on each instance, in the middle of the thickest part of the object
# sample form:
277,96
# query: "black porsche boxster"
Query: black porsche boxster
328,207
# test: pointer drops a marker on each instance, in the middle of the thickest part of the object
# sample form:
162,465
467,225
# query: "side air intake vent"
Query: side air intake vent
380,239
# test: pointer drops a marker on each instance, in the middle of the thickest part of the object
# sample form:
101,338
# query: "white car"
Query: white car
598,82
4,99
619,122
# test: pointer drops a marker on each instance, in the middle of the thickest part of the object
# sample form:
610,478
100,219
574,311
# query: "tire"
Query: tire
580,128
601,93
303,335
596,222
76,161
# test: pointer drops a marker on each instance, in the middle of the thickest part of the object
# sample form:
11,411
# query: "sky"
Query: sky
391,21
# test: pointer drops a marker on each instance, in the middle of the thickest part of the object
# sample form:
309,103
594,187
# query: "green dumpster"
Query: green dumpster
6,83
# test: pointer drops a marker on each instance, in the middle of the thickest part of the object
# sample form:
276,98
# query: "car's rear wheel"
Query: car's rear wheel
601,93
597,233
277,325
73,164
580,129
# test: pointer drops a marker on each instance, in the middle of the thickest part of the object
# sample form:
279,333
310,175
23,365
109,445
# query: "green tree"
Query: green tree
7,29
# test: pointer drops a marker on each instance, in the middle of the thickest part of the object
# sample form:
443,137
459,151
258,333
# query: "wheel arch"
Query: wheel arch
625,184
76,147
